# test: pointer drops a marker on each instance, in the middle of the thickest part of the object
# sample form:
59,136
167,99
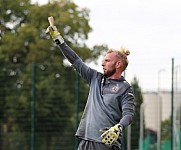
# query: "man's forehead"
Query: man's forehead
110,55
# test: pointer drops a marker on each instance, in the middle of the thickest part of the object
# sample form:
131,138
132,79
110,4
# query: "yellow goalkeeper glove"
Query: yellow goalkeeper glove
111,135
52,30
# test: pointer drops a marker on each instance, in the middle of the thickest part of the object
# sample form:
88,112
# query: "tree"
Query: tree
135,127
23,42
166,128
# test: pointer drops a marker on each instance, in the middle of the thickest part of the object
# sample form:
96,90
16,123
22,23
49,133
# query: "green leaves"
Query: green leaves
23,41
135,127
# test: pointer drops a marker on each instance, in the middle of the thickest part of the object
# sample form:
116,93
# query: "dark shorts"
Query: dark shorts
90,145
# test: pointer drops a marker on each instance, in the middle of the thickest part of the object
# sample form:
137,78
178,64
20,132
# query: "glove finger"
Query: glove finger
104,130
47,30
104,134
51,29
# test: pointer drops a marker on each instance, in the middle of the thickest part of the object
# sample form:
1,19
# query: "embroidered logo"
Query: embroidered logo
115,88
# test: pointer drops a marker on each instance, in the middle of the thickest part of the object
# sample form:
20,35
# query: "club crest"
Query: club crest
115,88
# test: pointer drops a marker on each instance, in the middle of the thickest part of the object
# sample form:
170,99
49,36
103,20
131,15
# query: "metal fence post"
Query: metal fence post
141,126
33,109
77,106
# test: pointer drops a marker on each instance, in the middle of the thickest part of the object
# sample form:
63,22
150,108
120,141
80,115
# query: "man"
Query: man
110,104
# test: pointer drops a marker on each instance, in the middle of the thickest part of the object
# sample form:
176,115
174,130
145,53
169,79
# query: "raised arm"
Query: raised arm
66,50
85,71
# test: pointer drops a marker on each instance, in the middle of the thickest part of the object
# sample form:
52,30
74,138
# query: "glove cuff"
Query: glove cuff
120,127
59,40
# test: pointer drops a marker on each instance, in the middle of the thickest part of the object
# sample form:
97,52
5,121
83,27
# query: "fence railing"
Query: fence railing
40,108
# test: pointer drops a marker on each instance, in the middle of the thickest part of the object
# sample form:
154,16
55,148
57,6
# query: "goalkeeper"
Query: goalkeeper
110,104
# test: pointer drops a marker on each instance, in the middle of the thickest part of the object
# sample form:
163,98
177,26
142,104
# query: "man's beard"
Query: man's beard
110,73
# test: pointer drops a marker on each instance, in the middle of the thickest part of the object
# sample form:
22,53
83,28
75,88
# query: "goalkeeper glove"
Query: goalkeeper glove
111,135
52,30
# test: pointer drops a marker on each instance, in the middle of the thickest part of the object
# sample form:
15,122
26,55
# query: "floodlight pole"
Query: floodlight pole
172,102
159,112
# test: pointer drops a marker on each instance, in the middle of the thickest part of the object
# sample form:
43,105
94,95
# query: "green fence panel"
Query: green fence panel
39,109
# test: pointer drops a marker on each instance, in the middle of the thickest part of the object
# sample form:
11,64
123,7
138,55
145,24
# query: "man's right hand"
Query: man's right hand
52,30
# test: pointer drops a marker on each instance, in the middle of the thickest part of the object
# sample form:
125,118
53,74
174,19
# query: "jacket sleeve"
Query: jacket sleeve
85,71
68,53
128,107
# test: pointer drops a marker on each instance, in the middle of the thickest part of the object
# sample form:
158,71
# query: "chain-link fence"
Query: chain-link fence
40,107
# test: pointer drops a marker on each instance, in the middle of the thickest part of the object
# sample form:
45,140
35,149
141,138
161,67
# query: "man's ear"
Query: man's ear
119,64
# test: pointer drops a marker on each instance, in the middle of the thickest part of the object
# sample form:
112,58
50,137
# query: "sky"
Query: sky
150,29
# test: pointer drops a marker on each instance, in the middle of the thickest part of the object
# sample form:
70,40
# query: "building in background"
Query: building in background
158,108
151,108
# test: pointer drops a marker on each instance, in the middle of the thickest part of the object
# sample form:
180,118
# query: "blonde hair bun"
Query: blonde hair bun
124,51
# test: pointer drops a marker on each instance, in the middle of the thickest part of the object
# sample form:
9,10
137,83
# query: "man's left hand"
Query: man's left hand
111,135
